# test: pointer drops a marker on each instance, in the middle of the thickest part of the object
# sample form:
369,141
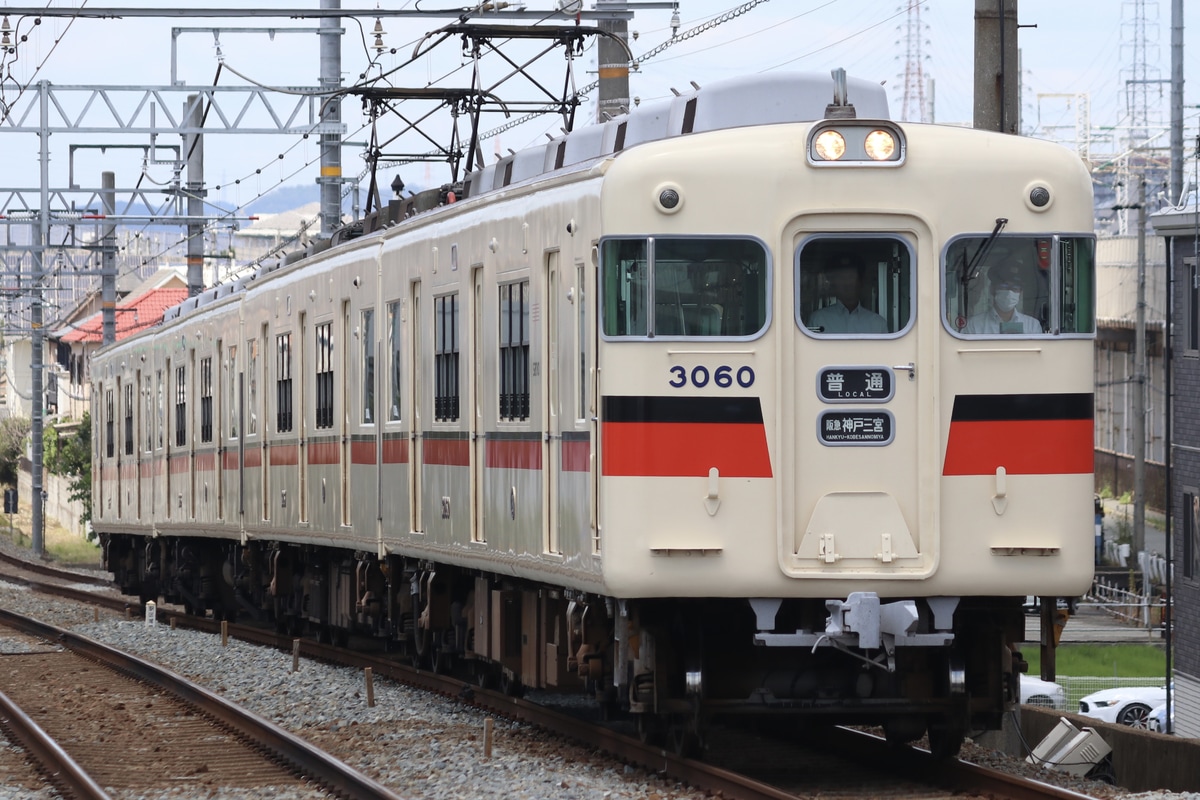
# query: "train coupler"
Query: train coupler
862,623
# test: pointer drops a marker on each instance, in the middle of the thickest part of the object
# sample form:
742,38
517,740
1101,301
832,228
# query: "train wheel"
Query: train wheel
485,675
422,648
684,739
650,729
903,730
511,685
441,661
945,740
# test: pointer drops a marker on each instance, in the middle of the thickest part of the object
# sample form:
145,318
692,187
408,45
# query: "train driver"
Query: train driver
1002,314
846,314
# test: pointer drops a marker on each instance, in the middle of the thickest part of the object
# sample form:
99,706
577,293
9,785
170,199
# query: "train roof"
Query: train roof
753,100
735,103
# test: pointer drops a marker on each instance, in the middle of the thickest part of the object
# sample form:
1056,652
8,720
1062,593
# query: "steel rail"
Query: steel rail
62,770
955,774
46,569
309,760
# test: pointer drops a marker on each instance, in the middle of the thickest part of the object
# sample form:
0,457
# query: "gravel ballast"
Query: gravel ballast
418,744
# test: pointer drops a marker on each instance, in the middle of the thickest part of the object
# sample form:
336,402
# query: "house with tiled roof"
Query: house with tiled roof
71,344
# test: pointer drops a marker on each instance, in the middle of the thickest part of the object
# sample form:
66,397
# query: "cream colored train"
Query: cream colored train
752,401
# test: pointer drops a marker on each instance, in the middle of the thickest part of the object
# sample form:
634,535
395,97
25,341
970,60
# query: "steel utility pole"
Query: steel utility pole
108,261
1139,384
193,145
1176,186
41,238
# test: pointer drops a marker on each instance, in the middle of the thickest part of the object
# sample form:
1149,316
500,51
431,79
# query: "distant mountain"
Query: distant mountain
285,198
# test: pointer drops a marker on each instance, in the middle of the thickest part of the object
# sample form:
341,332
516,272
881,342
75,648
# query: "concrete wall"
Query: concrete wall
1141,761
58,506
1114,471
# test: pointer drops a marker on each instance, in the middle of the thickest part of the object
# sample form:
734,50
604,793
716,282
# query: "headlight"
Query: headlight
880,145
841,143
1102,703
830,145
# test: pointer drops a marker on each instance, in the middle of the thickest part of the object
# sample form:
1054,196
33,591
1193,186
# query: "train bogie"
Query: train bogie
738,421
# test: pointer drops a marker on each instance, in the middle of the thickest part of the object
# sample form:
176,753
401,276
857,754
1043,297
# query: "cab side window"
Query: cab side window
1020,285
684,287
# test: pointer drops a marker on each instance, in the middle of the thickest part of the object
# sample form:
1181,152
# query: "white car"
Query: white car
1158,718
1037,692
1130,705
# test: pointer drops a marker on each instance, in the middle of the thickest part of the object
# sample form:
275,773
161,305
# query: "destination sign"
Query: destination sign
855,384
855,428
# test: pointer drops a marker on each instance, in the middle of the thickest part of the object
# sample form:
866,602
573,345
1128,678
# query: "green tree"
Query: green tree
13,432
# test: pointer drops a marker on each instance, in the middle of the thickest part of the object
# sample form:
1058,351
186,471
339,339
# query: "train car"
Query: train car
751,402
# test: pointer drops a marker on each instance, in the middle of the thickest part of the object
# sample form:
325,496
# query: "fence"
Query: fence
1076,687
1152,564
1138,610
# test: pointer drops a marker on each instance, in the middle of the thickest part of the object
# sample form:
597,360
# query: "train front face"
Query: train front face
846,383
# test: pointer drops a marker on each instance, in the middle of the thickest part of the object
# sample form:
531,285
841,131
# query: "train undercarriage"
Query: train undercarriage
673,665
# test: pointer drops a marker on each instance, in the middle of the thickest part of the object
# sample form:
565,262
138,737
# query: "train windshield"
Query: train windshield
702,287
1021,285
854,286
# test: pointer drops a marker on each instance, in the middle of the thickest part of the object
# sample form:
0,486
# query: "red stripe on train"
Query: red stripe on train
395,451
362,453
575,455
324,453
284,455
685,449
447,452
514,454
1022,447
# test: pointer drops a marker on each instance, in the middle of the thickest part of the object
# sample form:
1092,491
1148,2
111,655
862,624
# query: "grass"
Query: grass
1116,660
62,546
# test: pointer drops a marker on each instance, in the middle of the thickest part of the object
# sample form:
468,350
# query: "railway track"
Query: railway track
844,762
133,725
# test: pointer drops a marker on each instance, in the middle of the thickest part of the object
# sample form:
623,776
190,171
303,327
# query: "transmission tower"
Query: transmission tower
913,106
1143,87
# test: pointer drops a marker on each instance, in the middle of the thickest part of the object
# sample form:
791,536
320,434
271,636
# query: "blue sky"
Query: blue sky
1078,47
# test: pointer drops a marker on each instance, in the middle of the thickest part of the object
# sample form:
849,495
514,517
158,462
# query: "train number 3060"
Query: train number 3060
723,377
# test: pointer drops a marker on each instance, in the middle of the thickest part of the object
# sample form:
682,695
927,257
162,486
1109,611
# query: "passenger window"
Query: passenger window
855,286
701,287
1006,286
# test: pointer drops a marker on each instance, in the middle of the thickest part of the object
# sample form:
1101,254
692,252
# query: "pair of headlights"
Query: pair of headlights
877,145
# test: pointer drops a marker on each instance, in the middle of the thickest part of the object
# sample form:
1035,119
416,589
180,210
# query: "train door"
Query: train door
263,376
188,394
863,422
218,415
344,416
552,441
478,423
417,458
302,416
119,451
139,441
